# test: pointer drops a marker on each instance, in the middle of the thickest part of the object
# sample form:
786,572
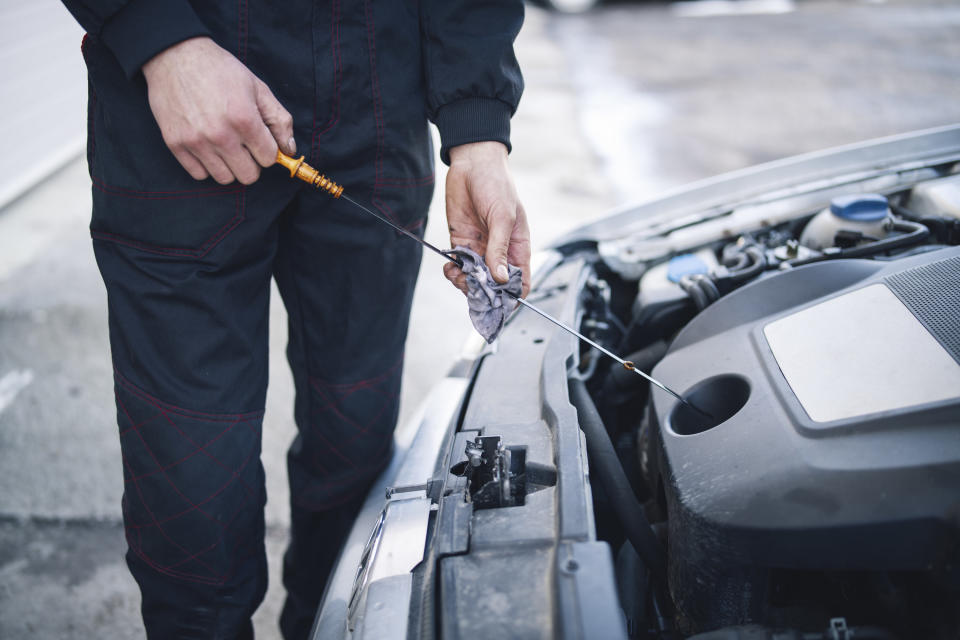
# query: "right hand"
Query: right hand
485,214
217,118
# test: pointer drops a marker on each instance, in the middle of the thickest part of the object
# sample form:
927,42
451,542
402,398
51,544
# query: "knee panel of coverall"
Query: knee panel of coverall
193,515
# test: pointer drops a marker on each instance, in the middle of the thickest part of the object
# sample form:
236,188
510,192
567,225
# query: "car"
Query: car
568,6
809,311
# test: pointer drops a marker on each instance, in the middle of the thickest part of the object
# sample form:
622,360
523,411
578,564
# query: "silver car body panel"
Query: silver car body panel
380,587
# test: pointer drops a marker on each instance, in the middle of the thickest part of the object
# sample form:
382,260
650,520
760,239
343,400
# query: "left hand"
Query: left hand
484,212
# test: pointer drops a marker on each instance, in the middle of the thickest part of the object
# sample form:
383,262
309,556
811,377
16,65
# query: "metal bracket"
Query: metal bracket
495,472
431,487
839,629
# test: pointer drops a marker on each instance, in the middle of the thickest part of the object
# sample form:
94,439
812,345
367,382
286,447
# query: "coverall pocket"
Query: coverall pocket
142,197
178,224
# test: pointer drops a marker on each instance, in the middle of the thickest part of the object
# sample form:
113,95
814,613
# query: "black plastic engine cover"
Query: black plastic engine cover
801,473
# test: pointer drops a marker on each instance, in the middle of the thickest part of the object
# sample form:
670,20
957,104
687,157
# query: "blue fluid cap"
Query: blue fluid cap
686,264
862,207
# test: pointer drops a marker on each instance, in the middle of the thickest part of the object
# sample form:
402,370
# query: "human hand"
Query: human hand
216,117
484,212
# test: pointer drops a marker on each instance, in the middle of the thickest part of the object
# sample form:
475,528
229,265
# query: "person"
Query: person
189,102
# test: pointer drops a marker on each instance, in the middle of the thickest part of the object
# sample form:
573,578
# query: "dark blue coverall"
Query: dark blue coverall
188,265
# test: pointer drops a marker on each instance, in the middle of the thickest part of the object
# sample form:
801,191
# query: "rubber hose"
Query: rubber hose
709,288
913,233
620,379
696,294
735,261
759,263
606,467
620,385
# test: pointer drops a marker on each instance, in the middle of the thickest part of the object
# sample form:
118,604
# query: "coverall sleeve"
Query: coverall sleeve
137,30
472,76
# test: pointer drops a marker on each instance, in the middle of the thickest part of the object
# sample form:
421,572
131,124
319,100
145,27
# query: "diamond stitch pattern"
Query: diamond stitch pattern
192,486
349,437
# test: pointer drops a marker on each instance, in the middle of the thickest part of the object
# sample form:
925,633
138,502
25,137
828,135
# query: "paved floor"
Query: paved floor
621,103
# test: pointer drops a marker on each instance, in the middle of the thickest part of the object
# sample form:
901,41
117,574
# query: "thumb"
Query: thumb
277,119
500,227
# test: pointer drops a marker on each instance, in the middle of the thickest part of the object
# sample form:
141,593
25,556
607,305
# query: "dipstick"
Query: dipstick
303,171
300,169
629,366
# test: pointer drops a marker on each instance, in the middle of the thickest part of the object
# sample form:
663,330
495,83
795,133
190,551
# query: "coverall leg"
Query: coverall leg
189,342
187,267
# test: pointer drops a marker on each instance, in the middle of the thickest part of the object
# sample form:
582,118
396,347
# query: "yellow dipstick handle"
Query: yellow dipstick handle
300,169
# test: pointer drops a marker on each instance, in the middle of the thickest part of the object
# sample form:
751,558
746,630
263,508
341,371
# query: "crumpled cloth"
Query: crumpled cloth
488,301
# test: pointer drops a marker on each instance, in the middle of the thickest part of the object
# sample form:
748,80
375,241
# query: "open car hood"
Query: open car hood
485,523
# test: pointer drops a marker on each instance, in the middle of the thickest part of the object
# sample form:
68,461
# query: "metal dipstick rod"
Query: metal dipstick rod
303,171
629,366
300,169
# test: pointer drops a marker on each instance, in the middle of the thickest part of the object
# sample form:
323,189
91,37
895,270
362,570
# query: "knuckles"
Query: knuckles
241,122
220,136
249,178
191,140
501,213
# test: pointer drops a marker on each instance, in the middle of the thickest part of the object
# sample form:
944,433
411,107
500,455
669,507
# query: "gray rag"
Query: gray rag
487,299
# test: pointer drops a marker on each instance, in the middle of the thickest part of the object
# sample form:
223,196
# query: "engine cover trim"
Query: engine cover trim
769,489
861,353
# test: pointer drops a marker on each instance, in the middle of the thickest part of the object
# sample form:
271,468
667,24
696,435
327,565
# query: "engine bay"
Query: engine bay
821,332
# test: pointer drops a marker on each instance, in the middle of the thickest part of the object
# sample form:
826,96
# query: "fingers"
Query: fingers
224,164
253,133
278,120
189,162
213,163
234,150
241,164
453,273
262,146
519,252
500,225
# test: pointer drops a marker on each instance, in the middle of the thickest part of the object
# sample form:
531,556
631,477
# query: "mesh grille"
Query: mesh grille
932,293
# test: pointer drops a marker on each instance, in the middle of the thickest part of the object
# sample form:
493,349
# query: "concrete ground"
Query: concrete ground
620,103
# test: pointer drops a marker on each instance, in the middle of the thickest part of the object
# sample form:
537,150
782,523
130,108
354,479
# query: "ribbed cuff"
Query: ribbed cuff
472,120
144,28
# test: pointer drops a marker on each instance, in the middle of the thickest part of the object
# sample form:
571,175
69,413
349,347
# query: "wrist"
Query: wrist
169,56
483,152
141,28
